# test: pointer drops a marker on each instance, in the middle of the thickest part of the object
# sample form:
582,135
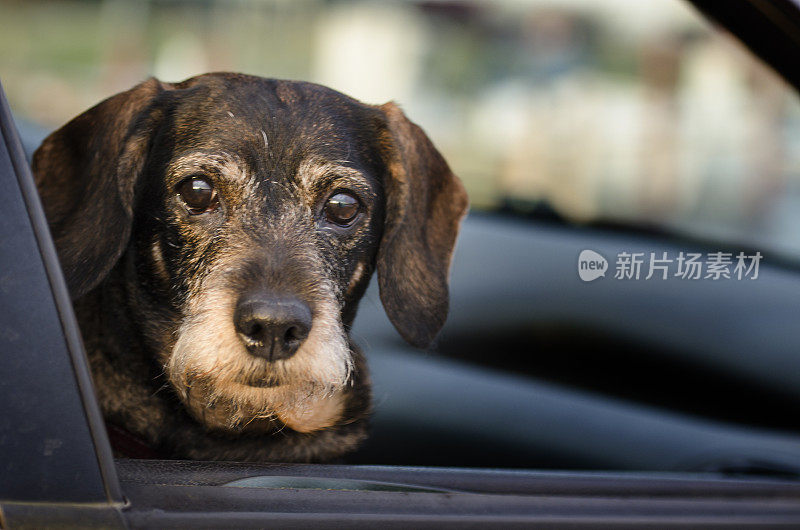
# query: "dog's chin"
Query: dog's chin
241,394
237,408
226,389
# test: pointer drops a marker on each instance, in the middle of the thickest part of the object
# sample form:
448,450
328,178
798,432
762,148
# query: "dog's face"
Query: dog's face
247,216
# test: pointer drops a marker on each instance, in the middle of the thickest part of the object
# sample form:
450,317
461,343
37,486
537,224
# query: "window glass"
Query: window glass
621,110
589,113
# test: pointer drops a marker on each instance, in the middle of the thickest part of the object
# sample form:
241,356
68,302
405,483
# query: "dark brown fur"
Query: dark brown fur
138,267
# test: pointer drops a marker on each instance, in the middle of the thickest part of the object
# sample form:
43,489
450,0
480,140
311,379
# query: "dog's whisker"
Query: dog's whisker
159,389
280,430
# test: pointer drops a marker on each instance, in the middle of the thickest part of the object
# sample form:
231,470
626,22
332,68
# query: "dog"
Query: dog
216,236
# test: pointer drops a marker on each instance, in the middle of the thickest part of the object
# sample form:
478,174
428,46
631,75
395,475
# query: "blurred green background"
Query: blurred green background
611,110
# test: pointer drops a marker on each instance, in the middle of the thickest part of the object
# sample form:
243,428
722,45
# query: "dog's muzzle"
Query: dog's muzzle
271,326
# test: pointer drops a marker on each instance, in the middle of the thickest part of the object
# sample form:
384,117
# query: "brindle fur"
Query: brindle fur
145,275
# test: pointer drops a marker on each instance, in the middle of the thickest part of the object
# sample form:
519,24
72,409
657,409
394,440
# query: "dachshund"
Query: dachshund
216,236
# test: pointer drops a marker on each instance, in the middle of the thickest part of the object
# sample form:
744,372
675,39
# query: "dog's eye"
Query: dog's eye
198,195
341,208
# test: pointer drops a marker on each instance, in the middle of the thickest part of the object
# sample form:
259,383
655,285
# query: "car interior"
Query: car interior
545,400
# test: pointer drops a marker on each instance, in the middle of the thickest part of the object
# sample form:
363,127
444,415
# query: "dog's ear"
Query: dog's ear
86,172
425,203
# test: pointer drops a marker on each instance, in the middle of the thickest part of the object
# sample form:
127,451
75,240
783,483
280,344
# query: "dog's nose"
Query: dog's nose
272,327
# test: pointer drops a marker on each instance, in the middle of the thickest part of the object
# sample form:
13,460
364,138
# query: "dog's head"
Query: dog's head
247,216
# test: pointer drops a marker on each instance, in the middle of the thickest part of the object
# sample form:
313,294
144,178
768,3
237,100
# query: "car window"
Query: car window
563,119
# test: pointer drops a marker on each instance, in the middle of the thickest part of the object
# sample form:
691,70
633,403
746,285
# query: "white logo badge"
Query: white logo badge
591,265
